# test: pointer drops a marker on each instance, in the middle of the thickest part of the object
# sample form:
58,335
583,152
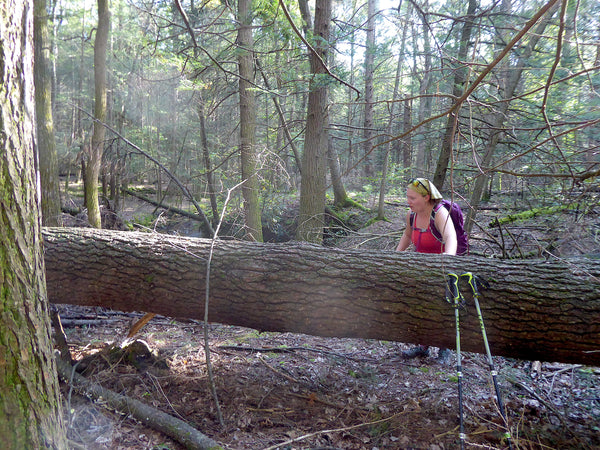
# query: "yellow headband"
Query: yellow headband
424,187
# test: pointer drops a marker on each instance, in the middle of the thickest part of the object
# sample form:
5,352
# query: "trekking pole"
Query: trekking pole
475,282
454,297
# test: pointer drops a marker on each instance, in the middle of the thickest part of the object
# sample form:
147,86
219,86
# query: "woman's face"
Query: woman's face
416,201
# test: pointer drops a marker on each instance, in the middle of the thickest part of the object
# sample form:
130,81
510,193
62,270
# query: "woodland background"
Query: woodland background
272,121
243,109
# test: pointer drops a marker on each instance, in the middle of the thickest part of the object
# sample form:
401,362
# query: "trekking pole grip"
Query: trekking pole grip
453,295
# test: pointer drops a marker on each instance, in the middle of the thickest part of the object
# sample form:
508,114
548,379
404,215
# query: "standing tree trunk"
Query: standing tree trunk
593,135
30,407
405,144
95,150
369,68
460,78
510,77
250,186
46,145
212,188
314,162
352,104
390,125
423,144
340,196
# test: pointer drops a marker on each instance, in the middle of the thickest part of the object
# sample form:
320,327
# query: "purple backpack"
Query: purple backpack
458,220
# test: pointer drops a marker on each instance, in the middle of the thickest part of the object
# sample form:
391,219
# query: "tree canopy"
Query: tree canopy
486,97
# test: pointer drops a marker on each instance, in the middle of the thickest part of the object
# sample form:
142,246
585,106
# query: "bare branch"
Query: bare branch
312,50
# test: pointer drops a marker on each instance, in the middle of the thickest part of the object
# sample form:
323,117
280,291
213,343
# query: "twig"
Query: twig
313,398
278,372
558,372
285,350
206,303
207,350
548,405
334,430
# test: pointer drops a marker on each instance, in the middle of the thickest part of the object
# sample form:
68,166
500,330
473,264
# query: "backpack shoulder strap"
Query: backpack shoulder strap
436,208
412,219
434,229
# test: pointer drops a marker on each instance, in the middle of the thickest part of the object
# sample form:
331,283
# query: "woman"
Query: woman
423,199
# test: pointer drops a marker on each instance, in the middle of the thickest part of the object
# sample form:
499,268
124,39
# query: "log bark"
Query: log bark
534,309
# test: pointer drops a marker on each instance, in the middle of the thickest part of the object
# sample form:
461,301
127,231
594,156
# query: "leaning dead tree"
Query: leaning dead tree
537,310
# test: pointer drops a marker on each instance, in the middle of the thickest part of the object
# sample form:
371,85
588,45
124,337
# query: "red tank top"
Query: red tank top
425,241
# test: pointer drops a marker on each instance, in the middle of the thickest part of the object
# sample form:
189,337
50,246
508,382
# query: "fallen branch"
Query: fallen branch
177,429
286,350
531,213
179,211
278,372
333,430
71,323
547,404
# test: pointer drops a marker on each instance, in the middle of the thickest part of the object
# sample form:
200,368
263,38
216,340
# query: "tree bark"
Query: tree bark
30,407
92,168
251,185
314,162
537,310
46,145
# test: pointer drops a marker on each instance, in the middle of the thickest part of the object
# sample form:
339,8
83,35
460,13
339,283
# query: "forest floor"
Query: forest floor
290,391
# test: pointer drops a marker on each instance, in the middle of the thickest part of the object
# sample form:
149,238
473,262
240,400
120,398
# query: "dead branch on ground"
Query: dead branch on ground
175,428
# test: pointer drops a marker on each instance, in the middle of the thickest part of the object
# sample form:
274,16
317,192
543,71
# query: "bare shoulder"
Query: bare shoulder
442,215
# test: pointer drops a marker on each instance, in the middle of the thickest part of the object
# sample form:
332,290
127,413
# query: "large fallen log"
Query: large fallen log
537,310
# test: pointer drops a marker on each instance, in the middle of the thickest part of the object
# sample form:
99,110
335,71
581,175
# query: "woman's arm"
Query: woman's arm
443,222
406,238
